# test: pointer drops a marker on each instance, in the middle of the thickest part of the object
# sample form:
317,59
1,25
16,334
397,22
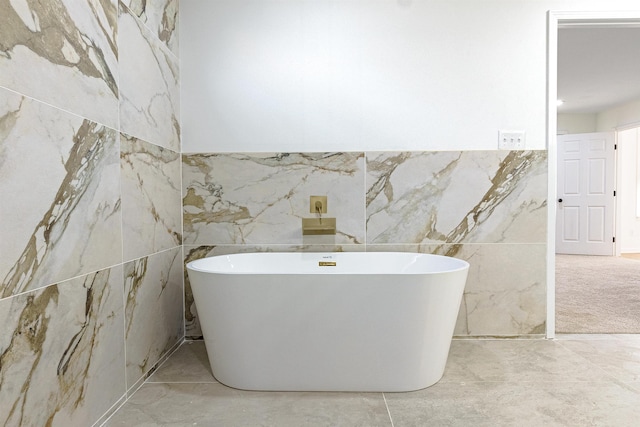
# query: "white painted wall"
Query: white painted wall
627,186
294,75
620,116
576,123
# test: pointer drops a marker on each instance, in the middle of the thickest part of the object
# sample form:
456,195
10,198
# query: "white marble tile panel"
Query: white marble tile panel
60,189
149,85
505,293
153,311
261,198
63,52
161,17
151,199
62,352
456,197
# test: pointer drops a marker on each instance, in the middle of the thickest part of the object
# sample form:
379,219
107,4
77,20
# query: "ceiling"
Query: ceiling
598,67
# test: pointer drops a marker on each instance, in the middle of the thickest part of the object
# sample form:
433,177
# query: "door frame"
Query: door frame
556,19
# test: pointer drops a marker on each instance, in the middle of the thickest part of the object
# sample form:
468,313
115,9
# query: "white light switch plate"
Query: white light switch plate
511,140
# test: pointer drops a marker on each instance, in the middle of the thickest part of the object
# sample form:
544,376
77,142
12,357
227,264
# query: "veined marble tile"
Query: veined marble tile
192,329
151,199
149,85
192,253
506,289
262,198
62,52
62,352
153,312
456,197
60,186
161,17
505,294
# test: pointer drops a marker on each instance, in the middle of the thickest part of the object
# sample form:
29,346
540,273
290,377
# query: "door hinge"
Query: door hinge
614,240
614,193
615,146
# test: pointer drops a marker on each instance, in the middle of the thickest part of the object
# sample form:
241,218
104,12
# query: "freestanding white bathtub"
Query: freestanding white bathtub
297,322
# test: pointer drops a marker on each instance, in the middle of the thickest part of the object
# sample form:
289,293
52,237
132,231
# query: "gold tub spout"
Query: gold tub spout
317,226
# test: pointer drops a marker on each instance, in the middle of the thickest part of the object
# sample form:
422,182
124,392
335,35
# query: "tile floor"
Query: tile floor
575,380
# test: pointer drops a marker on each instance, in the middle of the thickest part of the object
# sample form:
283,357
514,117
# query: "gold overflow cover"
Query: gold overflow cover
327,263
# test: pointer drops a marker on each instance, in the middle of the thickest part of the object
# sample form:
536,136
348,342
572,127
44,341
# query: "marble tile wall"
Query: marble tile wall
262,198
90,213
64,56
161,17
149,87
154,281
487,207
151,214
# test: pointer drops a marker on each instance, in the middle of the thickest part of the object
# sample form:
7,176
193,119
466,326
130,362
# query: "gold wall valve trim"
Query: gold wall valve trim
318,204
319,224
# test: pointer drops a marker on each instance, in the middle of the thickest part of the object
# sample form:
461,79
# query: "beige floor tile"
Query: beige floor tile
572,381
216,405
517,404
586,337
516,360
188,364
619,358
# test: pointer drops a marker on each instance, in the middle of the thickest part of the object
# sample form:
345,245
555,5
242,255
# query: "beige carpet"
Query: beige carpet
597,294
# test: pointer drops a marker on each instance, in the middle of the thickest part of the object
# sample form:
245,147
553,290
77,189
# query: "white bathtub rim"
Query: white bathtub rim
208,264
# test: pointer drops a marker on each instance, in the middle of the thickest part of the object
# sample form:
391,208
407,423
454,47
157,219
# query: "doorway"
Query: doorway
597,294
563,20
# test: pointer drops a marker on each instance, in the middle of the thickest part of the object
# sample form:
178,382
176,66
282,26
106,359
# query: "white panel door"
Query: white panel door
585,205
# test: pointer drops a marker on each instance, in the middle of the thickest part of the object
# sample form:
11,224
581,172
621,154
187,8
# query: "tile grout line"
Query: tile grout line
388,411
